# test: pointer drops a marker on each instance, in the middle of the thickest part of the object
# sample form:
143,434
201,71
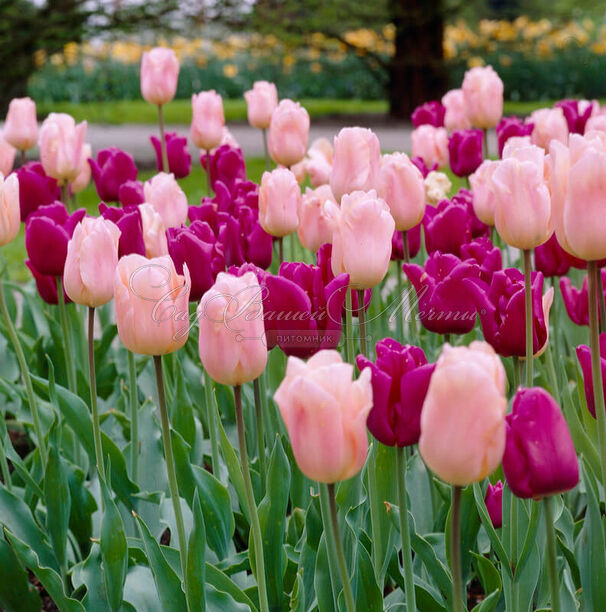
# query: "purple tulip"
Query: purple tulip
584,357
46,285
465,151
400,379
198,248
465,197
550,258
419,162
502,312
35,188
447,227
128,220
226,165
112,168
414,243
575,117
445,305
179,158
510,127
494,503
131,193
539,459
576,301
430,113
485,254
47,232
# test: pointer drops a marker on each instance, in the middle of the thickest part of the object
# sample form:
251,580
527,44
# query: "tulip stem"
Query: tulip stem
486,154
252,506
347,592
596,368
552,567
280,250
6,474
528,314
65,194
348,329
260,433
455,550
265,149
134,417
601,302
208,181
93,391
165,167
23,157
409,585
375,509
362,322
212,424
400,317
333,564
513,544
33,406
69,362
170,465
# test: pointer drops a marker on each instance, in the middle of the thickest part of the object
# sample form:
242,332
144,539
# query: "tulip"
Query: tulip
319,162
159,75
401,185
90,265
168,199
455,117
437,186
46,286
576,301
414,243
485,254
131,193
447,227
431,144
21,126
483,191
463,417
47,232
597,123
464,197
35,188
208,120
154,231
551,259
128,221
261,102
445,306
549,124
422,166
577,113
112,169
226,165
179,158
61,142
494,503
584,357
483,94
325,413
400,379
502,315
314,225
362,219
430,113
151,304
7,156
279,202
511,127
465,151
10,213
540,459
232,336
288,133
83,179
197,247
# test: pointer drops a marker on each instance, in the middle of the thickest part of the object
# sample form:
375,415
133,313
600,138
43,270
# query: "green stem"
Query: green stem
165,166
601,302
333,563
93,391
134,417
596,369
280,250
252,506
455,550
170,465
293,246
513,544
348,328
409,585
260,433
208,181
362,322
29,390
552,567
266,150
347,592
6,474
485,151
405,247
375,509
23,157
69,361
528,314
399,305
65,195
552,372
212,424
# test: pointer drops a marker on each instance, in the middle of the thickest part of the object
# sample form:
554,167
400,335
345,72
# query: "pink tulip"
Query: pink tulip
288,133
21,126
483,95
154,231
233,348
61,142
84,174
463,418
549,124
10,212
208,120
261,102
279,202
483,191
163,192
92,257
431,145
596,123
401,185
361,239
159,75
455,117
357,161
7,156
151,302
325,413
318,164
315,228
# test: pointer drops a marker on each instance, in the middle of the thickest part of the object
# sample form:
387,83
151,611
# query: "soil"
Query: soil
48,605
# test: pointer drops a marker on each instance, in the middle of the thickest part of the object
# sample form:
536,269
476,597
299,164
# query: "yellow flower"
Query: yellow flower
505,60
316,67
472,62
40,57
230,71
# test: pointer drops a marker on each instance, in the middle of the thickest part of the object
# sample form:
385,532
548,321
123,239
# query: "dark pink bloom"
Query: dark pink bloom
494,503
128,220
465,151
226,165
485,254
551,259
430,113
131,193
509,127
35,188
414,243
179,158
574,117
112,168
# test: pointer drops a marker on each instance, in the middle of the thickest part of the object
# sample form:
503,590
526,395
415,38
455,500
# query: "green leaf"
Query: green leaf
469,526
297,597
367,593
489,604
16,594
321,577
488,574
196,553
530,539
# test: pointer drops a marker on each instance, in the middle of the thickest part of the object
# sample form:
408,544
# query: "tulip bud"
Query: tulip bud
315,228
151,302
112,169
128,221
549,124
168,199
208,120
455,117
35,188
540,459
21,126
232,345
159,75
83,179
494,503
10,213
551,259
7,156
325,412
288,133
584,357
577,113
226,166
279,202
261,102
179,158
465,151
437,186
511,127
154,231
431,145
483,94
463,418
131,193
483,191
430,113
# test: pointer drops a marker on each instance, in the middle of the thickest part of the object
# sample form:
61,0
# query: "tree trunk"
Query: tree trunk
416,73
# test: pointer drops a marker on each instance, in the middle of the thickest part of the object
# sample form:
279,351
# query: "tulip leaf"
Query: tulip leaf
297,597
16,594
367,594
489,604
488,574
321,577
530,538
196,553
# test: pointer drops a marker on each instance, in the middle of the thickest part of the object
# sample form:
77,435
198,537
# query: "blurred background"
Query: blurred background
379,56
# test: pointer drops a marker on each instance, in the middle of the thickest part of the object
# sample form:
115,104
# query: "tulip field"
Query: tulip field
367,381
